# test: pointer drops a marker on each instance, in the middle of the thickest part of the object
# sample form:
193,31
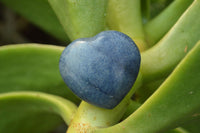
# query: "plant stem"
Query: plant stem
175,102
159,26
160,60
41,102
125,16
90,117
81,18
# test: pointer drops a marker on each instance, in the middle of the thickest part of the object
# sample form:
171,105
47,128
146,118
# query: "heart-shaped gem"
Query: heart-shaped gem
102,69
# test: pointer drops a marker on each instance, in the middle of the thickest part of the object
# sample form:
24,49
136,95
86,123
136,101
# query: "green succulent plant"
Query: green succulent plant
165,97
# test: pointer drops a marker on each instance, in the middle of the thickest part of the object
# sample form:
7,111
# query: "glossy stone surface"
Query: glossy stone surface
101,70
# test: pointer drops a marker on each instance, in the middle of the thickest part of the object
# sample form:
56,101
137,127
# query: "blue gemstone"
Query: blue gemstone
102,69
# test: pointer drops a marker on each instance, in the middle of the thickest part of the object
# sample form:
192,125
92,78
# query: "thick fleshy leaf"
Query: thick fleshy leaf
125,16
33,112
160,25
81,18
176,100
40,13
32,67
161,59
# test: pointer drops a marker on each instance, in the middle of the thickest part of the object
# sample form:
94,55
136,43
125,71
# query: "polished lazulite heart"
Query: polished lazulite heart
102,69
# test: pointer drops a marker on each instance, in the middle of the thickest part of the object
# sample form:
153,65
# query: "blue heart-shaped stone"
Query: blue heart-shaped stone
101,70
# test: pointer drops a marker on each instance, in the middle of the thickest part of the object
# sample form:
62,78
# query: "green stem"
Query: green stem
42,102
125,16
89,117
18,72
159,26
81,18
160,60
176,101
